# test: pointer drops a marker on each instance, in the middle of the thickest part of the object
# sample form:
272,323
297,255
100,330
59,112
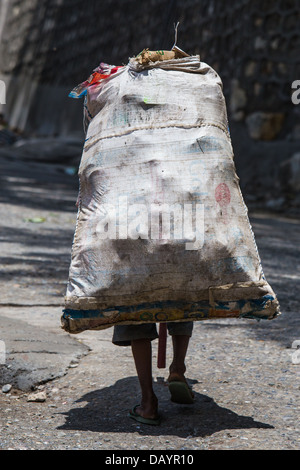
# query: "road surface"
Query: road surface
246,385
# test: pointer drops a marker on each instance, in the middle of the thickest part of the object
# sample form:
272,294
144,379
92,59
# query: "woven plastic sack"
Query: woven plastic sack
162,230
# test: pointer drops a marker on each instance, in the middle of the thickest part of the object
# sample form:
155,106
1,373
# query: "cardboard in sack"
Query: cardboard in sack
146,56
162,230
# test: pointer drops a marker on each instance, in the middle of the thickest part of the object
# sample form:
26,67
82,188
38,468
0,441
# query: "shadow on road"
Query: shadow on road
43,255
37,186
107,409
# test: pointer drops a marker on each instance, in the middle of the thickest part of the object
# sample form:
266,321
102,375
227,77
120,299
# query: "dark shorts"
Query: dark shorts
124,334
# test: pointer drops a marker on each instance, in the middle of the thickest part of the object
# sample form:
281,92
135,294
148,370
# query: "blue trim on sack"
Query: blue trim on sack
92,313
189,311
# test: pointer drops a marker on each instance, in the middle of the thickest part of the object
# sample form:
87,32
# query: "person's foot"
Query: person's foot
176,377
176,374
180,390
148,408
139,418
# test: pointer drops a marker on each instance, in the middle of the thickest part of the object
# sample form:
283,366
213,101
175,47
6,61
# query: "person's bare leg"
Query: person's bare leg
177,368
142,354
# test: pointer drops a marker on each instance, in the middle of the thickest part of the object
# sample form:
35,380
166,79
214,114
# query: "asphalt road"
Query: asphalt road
246,385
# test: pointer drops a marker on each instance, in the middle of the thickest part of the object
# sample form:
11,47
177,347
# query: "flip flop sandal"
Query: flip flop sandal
153,421
181,393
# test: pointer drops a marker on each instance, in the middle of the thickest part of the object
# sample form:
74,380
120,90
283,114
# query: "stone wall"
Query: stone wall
48,46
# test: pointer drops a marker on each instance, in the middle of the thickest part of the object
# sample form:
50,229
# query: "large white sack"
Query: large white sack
159,139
